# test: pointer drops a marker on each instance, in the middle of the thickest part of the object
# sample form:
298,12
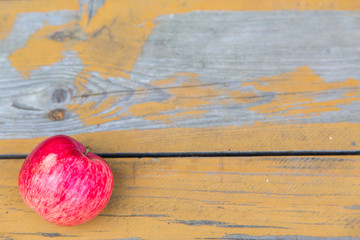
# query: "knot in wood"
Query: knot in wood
59,36
56,114
59,95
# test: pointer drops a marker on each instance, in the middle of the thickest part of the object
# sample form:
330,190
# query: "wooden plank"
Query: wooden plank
142,65
208,198
258,137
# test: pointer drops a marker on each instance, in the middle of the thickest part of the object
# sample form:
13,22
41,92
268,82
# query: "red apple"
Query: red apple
65,183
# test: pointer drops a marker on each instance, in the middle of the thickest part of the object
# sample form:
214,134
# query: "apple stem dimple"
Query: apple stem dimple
87,150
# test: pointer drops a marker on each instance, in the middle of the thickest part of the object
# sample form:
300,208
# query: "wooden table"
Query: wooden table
191,82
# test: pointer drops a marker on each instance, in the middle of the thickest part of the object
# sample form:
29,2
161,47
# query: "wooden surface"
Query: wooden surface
208,198
159,76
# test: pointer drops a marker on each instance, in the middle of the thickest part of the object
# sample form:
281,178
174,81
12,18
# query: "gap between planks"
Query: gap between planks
212,154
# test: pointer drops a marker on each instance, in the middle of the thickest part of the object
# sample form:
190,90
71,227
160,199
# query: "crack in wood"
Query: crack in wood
222,224
44,234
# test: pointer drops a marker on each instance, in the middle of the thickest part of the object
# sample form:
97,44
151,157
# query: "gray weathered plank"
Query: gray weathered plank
217,66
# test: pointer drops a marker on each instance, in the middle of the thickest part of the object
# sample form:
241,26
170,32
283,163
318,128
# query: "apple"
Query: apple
65,183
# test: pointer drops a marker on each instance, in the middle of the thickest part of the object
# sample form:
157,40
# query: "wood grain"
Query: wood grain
104,66
257,137
179,76
207,198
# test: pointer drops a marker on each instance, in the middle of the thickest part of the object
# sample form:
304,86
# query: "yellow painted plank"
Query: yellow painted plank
257,137
207,198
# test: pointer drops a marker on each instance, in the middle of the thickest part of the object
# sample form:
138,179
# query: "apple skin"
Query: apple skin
62,185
